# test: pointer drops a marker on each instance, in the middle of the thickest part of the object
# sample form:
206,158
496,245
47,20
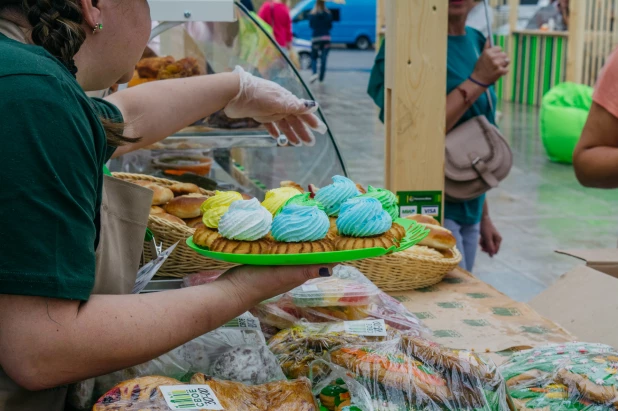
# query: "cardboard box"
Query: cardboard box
585,300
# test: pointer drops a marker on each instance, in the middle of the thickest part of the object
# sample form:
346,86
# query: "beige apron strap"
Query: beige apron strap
124,218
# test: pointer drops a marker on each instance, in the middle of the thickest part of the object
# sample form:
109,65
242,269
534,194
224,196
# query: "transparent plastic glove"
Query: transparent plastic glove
278,109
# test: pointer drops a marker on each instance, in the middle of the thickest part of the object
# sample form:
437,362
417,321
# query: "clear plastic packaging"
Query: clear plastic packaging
564,377
333,291
397,380
298,347
338,389
236,351
145,394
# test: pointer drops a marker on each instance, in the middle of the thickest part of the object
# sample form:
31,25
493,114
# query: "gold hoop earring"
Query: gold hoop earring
97,28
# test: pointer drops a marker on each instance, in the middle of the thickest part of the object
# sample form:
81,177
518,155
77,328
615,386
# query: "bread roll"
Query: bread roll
423,219
187,206
194,222
161,195
423,251
439,238
156,210
180,189
171,218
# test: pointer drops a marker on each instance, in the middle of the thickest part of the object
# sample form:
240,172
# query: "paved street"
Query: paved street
540,207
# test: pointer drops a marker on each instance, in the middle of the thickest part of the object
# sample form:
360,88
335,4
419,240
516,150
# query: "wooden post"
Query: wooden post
577,33
415,95
510,78
380,22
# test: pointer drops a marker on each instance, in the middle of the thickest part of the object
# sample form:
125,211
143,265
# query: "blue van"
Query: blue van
354,22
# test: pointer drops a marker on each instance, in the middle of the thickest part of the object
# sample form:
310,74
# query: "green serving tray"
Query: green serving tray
414,235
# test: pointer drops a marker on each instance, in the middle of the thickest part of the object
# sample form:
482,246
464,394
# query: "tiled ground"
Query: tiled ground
538,209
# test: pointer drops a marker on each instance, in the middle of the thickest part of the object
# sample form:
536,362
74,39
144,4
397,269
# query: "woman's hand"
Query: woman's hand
491,65
250,285
490,237
277,108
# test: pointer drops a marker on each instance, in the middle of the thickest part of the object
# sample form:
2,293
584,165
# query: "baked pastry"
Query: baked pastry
140,390
423,219
156,210
161,195
149,68
243,229
217,205
170,218
194,222
361,189
409,382
276,198
300,229
439,238
423,251
333,396
183,68
186,206
388,200
275,396
363,223
251,365
180,189
292,184
334,195
398,232
205,236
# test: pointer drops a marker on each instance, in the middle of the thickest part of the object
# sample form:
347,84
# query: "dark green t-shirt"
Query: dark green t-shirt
52,152
463,52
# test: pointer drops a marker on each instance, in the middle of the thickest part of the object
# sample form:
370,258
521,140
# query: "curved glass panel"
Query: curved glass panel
245,156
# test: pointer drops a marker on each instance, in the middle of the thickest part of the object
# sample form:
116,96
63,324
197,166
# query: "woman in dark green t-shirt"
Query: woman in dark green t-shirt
54,143
472,68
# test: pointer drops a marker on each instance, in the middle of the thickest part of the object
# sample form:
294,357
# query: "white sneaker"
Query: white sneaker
314,78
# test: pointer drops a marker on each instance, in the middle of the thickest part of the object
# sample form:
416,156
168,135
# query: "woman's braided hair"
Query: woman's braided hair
57,27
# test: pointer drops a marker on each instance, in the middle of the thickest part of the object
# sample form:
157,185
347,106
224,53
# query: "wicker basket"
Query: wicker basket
183,260
405,271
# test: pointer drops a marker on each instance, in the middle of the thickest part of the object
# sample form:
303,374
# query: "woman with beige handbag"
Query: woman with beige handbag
473,67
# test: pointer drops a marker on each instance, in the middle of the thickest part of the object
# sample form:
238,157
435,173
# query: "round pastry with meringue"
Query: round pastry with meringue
212,210
276,198
243,229
363,223
300,229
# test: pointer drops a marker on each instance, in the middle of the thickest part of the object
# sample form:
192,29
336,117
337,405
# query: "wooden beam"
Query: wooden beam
510,78
575,48
415,94
380,22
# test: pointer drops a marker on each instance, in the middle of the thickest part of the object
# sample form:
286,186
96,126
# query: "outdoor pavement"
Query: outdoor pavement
538,209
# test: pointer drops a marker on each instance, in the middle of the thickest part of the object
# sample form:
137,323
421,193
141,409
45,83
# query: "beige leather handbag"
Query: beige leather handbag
477,159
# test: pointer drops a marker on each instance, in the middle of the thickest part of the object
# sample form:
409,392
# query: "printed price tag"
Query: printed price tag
309,288
190,397
367,328
244,322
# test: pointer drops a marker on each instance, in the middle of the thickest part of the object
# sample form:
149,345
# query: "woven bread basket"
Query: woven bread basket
183,260
404,271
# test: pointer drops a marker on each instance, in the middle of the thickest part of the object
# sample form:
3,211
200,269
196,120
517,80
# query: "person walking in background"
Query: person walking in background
472,67
321,22
277,14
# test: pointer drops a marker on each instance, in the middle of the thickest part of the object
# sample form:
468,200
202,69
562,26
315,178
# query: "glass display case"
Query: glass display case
218,152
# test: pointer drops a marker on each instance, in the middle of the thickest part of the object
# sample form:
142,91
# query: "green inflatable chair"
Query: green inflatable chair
564,111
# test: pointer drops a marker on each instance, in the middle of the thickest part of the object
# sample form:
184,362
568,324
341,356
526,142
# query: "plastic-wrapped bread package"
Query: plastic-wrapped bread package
338,390
399,381
236,352
298,347
203,392
473,379
564,377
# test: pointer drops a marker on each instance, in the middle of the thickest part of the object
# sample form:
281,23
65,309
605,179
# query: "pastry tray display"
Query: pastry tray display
415,233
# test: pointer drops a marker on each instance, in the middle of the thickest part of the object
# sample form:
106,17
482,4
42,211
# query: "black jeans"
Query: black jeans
321,49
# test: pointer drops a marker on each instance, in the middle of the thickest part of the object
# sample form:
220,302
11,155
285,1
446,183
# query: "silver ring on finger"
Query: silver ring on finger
282,141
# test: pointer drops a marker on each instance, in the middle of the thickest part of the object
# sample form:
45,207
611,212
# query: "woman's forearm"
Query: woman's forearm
597,166
65,341
159,109
485,210
457,104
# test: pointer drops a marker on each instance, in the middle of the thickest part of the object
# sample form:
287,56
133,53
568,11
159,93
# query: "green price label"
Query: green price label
420,202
